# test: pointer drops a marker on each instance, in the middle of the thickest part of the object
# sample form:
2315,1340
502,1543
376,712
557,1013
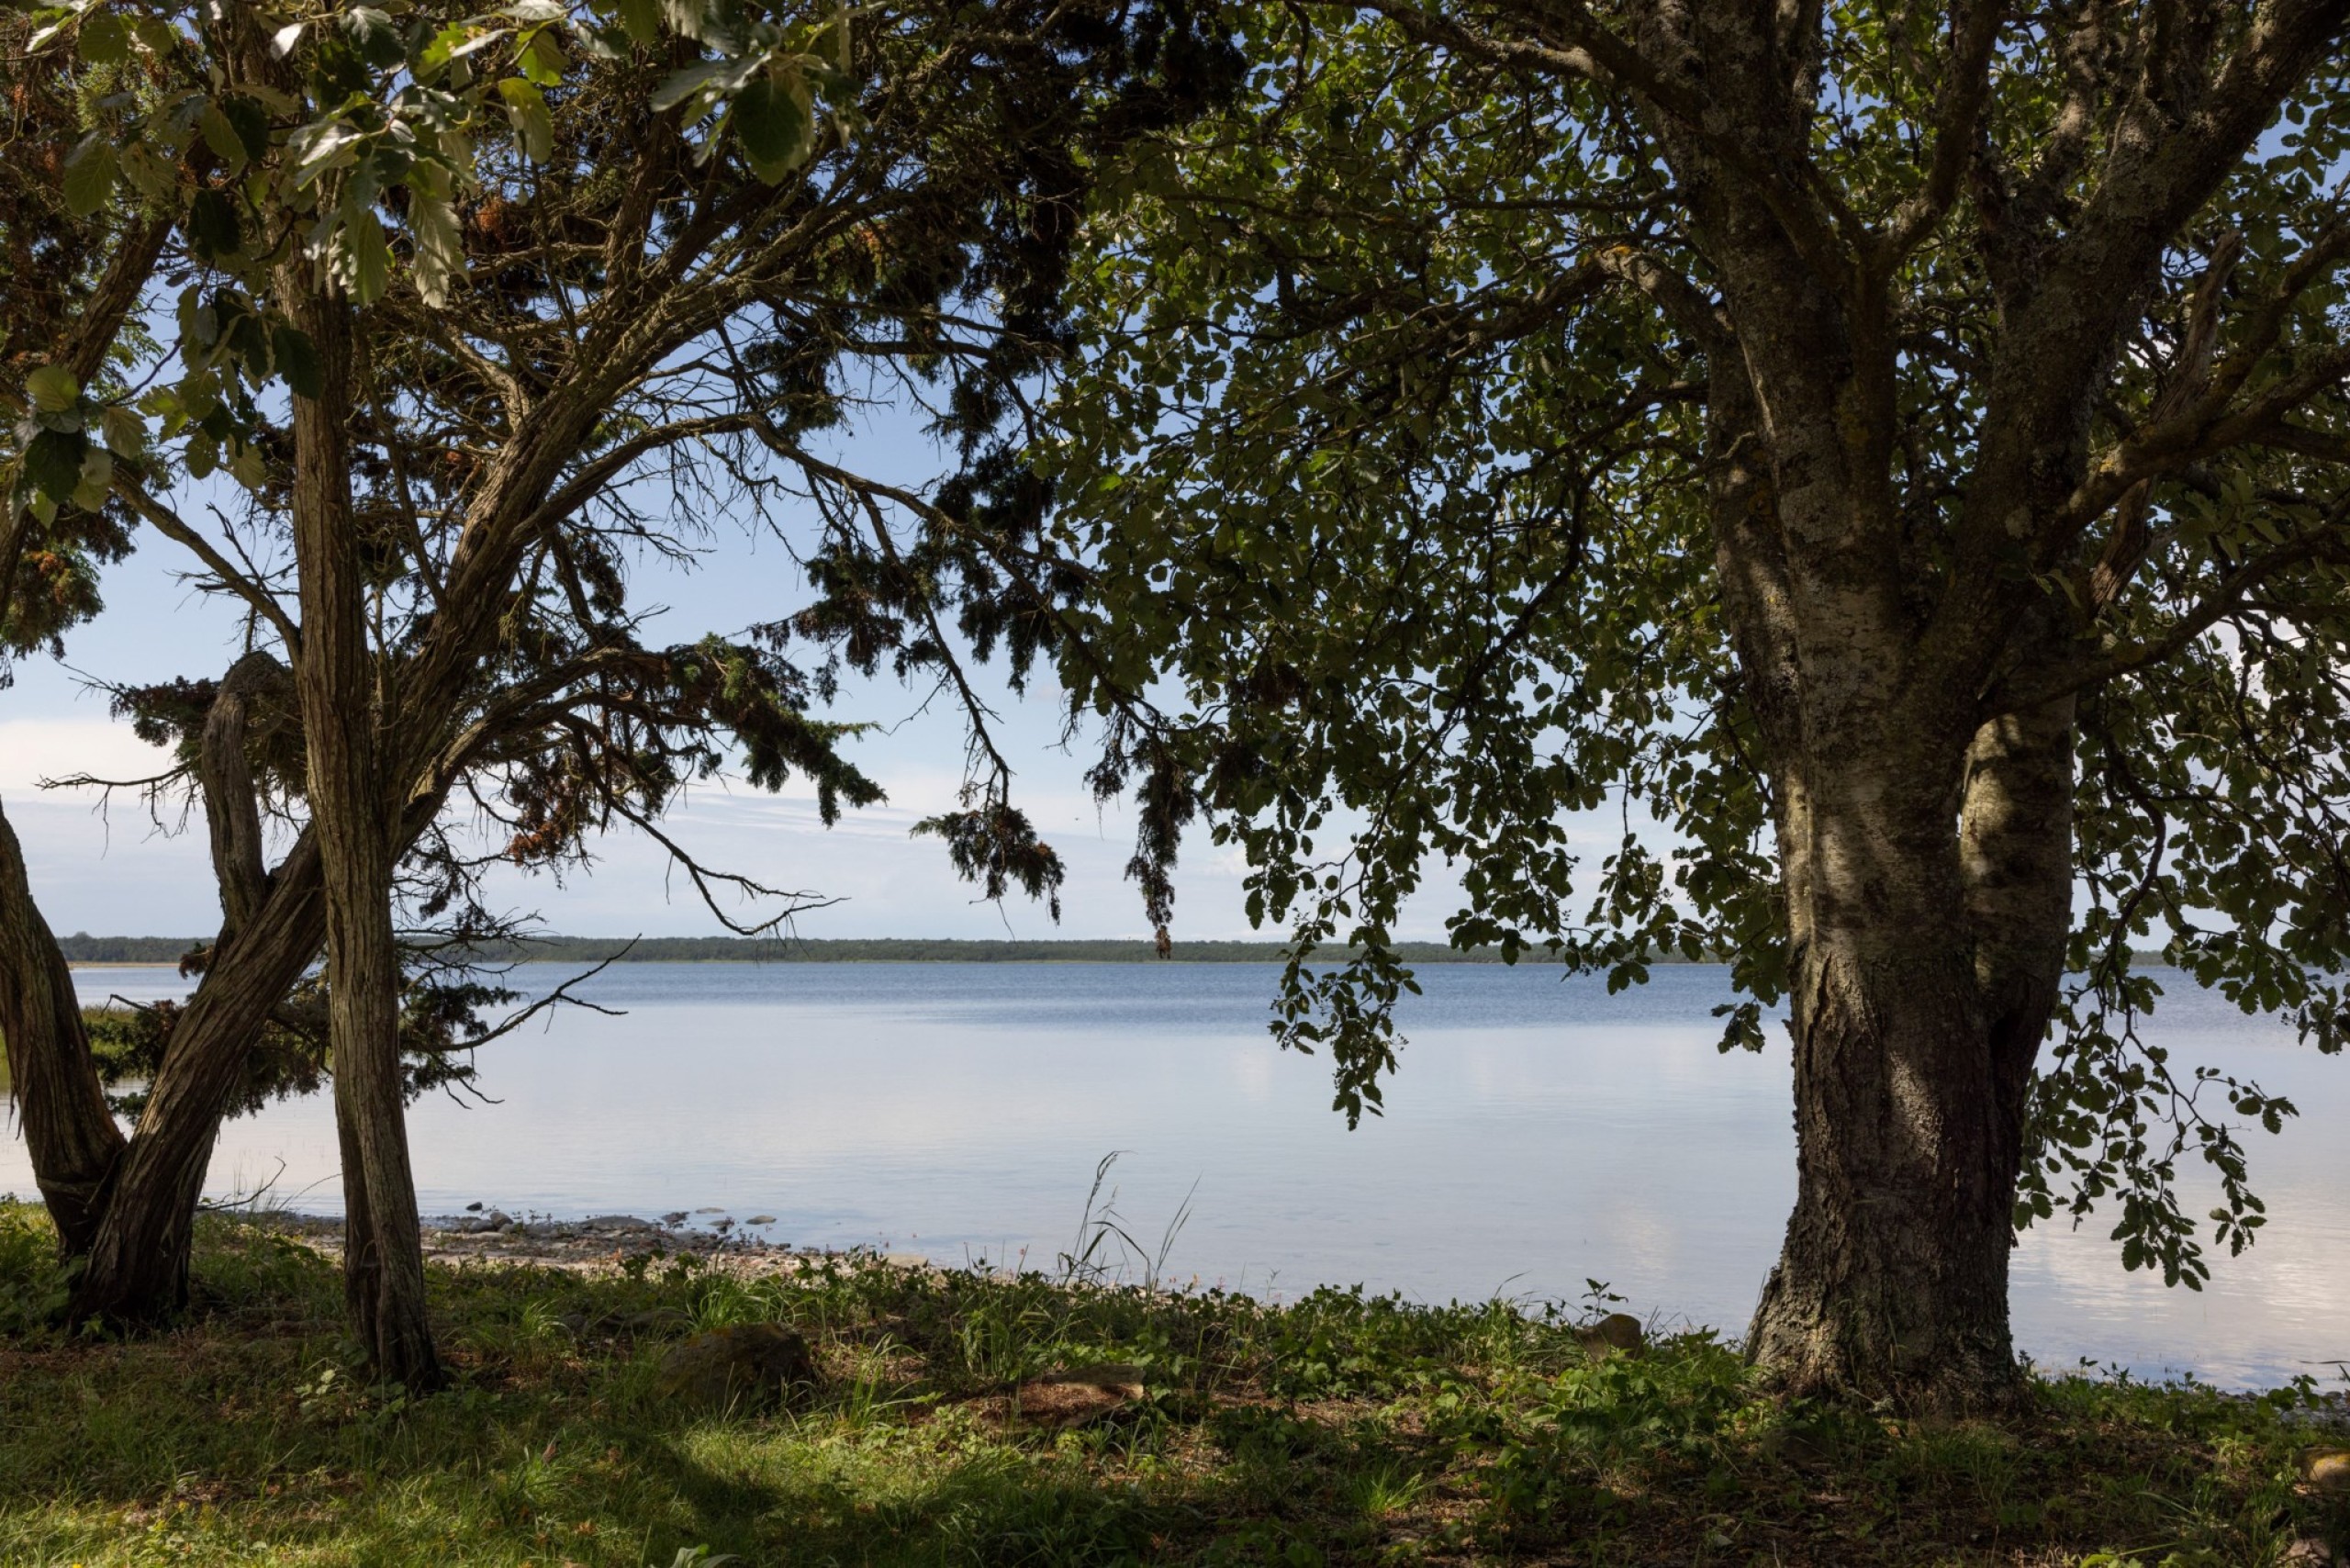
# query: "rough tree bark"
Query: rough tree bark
343,709
69,1131
136,1274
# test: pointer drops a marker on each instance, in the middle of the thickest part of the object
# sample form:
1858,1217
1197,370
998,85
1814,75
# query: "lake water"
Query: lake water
1542,1134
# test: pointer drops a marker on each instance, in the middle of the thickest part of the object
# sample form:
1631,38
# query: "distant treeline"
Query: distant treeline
940,950
83,949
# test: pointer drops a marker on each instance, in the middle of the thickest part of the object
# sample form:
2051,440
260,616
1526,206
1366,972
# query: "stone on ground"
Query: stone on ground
2328,1469
746,1367
1616,1332
1078,1395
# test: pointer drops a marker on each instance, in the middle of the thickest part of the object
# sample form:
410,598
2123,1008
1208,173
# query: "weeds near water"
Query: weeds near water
1105,1250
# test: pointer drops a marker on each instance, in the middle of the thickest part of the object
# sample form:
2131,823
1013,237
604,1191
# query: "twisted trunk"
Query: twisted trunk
136,1274
68,1132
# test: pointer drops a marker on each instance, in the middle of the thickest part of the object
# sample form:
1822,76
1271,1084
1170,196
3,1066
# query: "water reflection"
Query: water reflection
1541,1135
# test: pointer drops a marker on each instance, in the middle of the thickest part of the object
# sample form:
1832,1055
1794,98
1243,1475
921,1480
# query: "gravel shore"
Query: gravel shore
596,1245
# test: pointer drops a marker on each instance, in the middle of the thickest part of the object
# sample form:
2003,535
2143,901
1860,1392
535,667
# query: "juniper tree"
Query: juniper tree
470,305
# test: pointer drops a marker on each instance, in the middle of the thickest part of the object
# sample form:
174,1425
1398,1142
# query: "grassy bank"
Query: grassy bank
1337,1429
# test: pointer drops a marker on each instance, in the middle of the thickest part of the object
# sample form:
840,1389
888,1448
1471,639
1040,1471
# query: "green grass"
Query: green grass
1342,1428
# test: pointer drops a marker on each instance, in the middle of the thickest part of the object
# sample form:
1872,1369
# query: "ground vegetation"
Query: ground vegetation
1337,1428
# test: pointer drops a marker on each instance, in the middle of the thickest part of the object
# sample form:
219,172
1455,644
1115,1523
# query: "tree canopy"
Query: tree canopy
1503,412
453,316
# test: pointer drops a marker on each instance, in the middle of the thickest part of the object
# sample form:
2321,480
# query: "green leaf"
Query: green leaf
297,358
105,40
373,32
643,20
90,170
269,98
53,389
775,129
214,232
248,340
370,256
220,135
526,106
248,468
432,223
437,55
53,463
249,118
203,455
150,176
94,482
199,393
684,83
125,432
542,59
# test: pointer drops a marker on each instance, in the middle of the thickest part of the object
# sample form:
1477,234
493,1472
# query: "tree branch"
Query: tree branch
1966,85
2324,542
170,525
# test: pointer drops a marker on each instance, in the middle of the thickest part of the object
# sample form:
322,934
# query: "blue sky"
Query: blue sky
109,868
114,872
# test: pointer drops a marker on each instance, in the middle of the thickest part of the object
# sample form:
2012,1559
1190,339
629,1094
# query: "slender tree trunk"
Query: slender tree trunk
383,1254
382,1246
69,1131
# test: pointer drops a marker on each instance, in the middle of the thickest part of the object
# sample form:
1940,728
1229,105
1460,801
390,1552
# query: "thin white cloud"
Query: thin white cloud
32,749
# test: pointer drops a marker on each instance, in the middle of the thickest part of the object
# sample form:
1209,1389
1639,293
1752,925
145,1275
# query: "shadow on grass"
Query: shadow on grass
1341,1429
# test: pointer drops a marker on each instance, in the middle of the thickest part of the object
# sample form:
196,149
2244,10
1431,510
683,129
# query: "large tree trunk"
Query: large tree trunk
1893,1278
342,711
137,1272
69,1131
1928,901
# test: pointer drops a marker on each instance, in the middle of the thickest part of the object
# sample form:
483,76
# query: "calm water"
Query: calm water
1540,1134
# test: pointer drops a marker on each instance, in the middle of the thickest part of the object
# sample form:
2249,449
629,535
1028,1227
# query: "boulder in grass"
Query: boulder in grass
748,1367
1618,1333
1078,1395
2328,1471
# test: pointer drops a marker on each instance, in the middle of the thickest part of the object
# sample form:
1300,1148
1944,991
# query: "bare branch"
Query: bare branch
171,526
707,881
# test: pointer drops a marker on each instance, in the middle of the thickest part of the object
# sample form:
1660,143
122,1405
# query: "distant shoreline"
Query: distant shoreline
85,951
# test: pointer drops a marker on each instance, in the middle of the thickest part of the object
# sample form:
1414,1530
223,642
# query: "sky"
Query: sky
108,868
